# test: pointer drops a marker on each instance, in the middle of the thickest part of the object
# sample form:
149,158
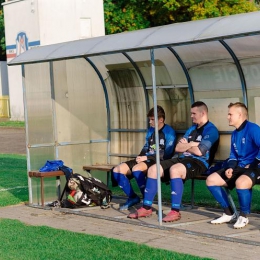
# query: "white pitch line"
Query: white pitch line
19,187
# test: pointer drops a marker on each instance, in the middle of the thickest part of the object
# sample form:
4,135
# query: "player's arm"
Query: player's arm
167,150
232,161
183,146
256,137
209,138
195,149
146,145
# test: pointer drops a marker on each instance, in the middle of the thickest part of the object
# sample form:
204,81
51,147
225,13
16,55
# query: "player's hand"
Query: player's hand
141,159
183,141
229,173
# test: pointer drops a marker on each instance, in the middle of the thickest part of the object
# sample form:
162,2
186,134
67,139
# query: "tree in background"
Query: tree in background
128,15
124,15
213,8
2,33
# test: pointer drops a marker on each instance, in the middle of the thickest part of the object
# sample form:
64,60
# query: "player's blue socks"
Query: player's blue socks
124,184
150,191
251,192
244,198
140,179
220,195
176,193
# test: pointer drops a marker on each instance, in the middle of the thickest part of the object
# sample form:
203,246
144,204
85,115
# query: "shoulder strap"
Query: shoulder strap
67,171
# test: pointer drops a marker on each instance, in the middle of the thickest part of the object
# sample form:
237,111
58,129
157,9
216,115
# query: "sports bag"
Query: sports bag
86,192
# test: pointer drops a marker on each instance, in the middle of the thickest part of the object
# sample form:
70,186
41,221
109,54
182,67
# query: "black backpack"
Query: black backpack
86,192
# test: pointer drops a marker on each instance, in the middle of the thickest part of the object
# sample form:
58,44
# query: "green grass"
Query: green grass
13,179
12,123
40,242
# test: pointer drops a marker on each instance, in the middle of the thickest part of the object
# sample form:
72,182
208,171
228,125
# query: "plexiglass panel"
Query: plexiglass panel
104,63
80,101
176,103
127,103
215,79
167,69
172,66
251,70
78,155
245,47
39,155
205,53
125,90
39,104
127,143
247,50
172,93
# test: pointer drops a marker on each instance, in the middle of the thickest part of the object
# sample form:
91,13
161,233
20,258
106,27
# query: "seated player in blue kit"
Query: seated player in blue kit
242,168
137,167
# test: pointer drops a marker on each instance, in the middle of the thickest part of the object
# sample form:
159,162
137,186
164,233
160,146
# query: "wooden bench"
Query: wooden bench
42,175
108,167
100,167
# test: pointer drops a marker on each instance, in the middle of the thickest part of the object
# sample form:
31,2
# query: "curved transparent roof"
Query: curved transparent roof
222,28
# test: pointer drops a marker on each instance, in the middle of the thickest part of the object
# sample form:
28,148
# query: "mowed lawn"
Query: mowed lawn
20,241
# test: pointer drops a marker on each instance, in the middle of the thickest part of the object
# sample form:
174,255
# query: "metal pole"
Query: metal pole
54,115
156,139
27,135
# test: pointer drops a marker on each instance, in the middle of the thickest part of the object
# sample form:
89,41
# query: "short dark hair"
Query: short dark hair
239,104
160,112
200,104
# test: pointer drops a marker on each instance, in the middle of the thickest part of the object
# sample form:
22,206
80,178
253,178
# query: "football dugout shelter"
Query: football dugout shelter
86,101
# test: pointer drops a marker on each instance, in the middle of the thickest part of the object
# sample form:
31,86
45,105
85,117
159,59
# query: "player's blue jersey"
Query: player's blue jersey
245,145
208,137
167,140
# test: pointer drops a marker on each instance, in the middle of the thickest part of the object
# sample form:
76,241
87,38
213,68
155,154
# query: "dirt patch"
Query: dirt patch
12,140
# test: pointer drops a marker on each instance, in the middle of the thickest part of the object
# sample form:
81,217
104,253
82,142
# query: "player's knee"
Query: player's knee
177,171
211,180
121,168
139,167
152,172
116,169
244,182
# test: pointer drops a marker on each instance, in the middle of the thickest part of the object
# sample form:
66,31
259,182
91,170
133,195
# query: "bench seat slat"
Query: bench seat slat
45,174
104,167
